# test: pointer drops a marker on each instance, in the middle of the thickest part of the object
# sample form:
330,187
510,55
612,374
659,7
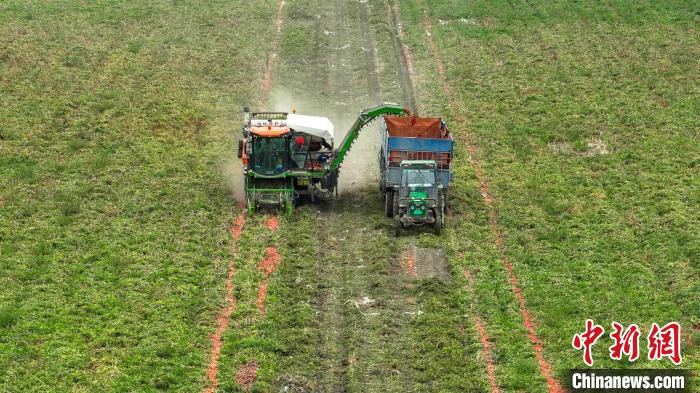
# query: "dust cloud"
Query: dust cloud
235,182
360,170
283,101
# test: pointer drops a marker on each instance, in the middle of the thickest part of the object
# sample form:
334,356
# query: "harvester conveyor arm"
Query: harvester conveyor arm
365,117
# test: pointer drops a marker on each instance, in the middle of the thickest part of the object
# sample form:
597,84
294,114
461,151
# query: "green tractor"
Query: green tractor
419,199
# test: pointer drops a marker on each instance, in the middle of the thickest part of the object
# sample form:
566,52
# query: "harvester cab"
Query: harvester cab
419,199
283,157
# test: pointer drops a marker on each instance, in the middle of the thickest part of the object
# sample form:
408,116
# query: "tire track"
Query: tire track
538,347
225,314
373,86
408,71
483,337
332,313
267,76
236,230
395,22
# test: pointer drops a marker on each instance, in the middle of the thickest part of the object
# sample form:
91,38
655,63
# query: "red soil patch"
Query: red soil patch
225,314
272,223
545,369
267,266
469,276
267,77
408,262
262,294
245,377
411,265
486,345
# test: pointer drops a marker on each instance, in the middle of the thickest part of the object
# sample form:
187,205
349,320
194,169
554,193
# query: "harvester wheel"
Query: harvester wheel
288,206
312,192
389,204
398,228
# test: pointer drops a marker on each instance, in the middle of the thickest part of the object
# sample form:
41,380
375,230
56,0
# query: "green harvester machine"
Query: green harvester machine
288,156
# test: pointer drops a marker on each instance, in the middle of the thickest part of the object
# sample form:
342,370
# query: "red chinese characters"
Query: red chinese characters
626,341
665,342
586,340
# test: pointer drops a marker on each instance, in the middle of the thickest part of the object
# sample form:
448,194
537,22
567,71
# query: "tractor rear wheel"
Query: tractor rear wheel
389,204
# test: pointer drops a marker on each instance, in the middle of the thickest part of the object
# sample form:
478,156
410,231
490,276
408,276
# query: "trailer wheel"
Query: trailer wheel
389,204
398,228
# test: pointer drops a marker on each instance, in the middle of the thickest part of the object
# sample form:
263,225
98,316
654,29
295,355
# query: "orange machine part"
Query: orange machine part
244,157
269,132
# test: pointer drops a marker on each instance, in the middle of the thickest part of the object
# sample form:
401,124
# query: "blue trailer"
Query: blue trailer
408,139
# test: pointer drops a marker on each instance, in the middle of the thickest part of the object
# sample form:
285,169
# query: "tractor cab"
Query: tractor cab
419,199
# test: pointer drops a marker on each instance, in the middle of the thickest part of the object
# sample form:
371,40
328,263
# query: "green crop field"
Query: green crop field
577,193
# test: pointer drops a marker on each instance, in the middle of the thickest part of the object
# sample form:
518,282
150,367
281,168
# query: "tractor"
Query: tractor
419,199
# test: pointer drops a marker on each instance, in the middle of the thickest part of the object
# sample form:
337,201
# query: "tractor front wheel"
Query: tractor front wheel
398,227
438,223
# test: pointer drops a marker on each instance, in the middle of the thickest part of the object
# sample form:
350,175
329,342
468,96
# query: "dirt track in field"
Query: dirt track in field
223,318
246,375
366,300
362,311
552,384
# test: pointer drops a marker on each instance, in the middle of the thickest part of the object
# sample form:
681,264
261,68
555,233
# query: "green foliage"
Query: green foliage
584,119
116,121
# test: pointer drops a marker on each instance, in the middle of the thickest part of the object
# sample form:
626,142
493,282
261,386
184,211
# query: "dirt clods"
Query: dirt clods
596,147
296,384
245,377
431,263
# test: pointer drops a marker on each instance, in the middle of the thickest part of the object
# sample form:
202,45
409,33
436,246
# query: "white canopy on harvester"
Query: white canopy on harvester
312,125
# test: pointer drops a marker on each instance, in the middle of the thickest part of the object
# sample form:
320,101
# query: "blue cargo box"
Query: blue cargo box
420,144
413,146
